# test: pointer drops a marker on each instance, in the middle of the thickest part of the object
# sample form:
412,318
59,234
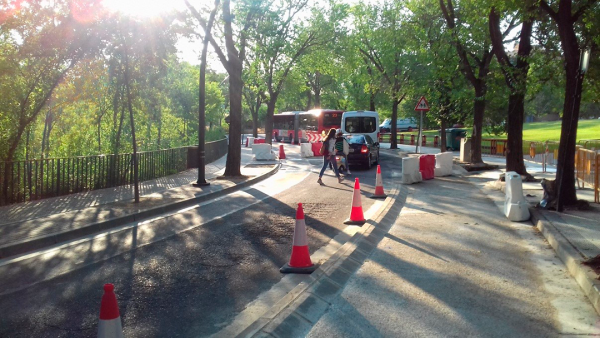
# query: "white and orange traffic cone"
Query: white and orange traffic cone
300,260
356,215
109,325
378,185
281,152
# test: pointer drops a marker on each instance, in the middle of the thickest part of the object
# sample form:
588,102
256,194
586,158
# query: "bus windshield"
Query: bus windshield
331,120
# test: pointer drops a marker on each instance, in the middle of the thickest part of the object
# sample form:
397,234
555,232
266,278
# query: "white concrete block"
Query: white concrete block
465,149
410,170
306,150
263,152
443,164
516,207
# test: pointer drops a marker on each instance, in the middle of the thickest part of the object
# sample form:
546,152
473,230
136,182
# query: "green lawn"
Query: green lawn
544,131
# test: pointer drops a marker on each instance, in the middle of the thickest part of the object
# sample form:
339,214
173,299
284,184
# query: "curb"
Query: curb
572,258
296,313
22,247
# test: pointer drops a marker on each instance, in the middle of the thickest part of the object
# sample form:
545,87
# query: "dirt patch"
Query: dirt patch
478,166
593,263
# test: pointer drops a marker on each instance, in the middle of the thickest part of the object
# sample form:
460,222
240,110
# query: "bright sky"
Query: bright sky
188,50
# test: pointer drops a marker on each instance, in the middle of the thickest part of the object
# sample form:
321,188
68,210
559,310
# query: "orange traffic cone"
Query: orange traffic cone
356,215
281,152
378,185
110,320
300,260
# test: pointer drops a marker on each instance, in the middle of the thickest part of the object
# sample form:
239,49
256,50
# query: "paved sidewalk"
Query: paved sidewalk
33,225
386,282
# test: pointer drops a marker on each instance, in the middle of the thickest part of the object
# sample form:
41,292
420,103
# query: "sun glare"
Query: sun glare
142,8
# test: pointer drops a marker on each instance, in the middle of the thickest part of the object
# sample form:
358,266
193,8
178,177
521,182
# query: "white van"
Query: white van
407,124
361,122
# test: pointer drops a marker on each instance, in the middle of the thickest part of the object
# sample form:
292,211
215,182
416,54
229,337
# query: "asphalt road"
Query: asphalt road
192,283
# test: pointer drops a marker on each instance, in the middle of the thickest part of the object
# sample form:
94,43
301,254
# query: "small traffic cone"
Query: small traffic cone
109,325
281,152
378,185
356,215
300,260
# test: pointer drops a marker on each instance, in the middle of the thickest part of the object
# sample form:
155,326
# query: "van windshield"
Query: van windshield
360,124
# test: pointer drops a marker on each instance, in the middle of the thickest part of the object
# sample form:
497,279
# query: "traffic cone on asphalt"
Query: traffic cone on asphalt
378,185
356,215
281,152
300,260
109,325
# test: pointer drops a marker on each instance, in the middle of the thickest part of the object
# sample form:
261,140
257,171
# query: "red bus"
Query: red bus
305,127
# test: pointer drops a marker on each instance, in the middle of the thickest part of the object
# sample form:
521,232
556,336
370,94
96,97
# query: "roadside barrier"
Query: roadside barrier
379,193
443,164
427,166
587,170
410,170
109,325
300,259
516,208
306,150
281,152
356,214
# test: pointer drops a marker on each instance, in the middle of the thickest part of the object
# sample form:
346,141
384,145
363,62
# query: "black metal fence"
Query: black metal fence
37,179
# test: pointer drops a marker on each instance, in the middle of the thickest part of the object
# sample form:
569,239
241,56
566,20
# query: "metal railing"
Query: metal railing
587,164
411,139
38,179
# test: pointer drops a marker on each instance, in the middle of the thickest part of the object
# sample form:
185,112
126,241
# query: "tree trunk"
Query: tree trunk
255,116
136,187
516,80
234,153
393,126
309,100
269,121
444,124
372,102
514,150
565,170
478,111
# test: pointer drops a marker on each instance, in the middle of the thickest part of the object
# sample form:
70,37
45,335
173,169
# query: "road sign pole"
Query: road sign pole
422,106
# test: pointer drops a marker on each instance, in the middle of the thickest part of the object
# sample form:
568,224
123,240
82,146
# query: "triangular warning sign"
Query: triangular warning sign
422,105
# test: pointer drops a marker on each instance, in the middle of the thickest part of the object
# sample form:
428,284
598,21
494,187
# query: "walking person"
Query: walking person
342,148
329,156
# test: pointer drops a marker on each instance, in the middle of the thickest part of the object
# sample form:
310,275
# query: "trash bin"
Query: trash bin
453,136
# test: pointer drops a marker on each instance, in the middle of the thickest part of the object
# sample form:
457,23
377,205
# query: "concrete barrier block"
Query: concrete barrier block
410,170
443,164
306,150
516,207
262,152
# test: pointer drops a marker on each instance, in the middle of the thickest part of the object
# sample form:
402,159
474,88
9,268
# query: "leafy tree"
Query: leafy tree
515,73
41,42
281,41
474,49
571,22
383,47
